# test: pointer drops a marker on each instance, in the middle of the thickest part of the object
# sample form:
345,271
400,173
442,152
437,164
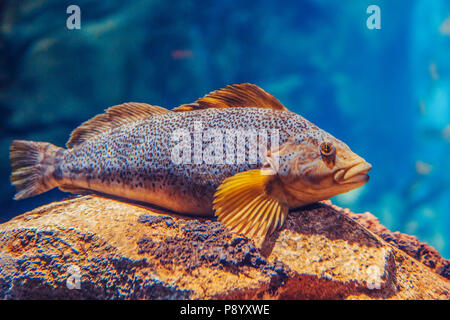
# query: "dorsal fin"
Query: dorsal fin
235,95
113,117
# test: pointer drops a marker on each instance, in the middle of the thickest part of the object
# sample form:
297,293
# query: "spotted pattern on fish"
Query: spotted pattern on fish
137,157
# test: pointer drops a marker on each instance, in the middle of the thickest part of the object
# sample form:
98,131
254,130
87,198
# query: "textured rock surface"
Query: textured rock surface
126,251
409,244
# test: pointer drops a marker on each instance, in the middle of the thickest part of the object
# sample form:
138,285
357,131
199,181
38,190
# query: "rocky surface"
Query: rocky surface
96,248
409,244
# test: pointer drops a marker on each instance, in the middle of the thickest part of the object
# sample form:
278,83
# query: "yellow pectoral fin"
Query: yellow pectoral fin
243,204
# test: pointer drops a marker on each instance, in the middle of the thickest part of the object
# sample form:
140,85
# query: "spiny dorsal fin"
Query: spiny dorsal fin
235,95
112,118
243,204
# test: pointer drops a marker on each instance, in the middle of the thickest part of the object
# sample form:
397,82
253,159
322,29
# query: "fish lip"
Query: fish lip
357,173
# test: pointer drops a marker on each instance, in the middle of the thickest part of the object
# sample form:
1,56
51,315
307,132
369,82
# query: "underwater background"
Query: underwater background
385,92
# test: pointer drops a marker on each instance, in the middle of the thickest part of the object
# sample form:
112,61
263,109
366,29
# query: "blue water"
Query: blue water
385,92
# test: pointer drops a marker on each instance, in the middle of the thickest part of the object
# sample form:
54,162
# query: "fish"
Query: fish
188,160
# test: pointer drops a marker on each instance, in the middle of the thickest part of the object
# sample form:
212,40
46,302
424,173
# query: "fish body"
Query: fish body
134,161
237,153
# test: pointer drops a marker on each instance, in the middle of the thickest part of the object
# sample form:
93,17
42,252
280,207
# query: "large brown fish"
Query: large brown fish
198,159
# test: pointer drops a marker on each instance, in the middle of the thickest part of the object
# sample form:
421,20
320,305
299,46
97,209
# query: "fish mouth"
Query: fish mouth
356,173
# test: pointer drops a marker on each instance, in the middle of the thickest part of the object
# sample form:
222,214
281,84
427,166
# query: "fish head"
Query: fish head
319,166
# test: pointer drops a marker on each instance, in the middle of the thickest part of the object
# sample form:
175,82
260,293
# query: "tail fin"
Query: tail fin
33,165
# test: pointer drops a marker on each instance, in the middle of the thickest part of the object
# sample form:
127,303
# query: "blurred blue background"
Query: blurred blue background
385,92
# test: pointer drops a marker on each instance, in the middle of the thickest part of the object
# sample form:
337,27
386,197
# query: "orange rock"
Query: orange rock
407,243
96,248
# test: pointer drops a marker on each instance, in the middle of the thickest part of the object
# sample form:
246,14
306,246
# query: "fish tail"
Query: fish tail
33,167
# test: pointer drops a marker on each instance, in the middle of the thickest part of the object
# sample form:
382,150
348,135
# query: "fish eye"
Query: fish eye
326,148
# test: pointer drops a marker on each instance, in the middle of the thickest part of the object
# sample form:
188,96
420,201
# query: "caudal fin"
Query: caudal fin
33,165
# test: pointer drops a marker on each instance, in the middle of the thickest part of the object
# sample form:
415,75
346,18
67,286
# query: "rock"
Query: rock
409,244
96,248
